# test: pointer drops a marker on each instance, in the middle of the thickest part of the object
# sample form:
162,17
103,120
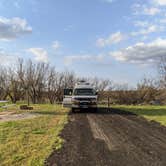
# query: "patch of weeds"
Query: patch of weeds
35,162
58,143
38,131
10,124
17,158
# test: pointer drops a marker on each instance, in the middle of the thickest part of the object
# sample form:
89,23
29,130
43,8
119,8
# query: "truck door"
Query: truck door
67,97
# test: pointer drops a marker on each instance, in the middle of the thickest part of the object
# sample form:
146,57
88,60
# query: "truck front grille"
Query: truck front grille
84,99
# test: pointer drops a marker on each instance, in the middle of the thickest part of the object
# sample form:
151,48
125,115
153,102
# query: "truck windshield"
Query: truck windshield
80,92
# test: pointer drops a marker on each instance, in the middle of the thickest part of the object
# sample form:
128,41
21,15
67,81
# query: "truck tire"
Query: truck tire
73,110
95,110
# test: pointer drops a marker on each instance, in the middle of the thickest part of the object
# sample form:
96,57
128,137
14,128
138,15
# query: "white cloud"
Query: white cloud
112,39
101,42
148,30
56,45
160,2
40,54
151,11
13,28
162,21
68,60
142,53
139,9
141,24
7,58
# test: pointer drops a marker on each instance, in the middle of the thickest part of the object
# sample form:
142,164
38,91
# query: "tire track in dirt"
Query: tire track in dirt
97,132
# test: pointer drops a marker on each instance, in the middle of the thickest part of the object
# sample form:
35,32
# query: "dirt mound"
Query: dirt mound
111,137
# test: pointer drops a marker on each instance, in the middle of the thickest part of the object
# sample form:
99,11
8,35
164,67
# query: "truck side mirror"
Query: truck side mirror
96,93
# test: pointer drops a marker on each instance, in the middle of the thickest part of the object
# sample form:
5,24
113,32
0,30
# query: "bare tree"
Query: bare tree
15,90
33,79
52,85
36,78
162,72
146,90
3,83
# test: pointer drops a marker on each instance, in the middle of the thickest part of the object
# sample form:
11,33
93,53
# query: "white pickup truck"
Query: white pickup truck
82,96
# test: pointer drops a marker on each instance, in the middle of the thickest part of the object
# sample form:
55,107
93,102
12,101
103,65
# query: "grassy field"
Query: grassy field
29,142
157,113
2,104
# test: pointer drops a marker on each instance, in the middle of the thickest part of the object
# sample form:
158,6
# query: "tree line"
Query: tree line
35,82
42,83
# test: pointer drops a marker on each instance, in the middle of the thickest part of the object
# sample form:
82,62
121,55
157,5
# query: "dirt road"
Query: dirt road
110,138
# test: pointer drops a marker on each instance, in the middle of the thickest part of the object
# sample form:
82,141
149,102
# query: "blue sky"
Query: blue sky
115,39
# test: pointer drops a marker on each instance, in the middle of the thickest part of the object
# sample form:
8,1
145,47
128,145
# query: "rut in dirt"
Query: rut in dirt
110,137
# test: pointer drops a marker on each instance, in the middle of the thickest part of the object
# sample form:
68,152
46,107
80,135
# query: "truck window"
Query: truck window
84,92
68,92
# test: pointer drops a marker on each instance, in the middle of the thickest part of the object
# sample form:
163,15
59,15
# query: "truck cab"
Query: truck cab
82,96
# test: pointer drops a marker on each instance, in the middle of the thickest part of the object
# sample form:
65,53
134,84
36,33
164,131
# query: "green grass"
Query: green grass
4,104
156,113
29,142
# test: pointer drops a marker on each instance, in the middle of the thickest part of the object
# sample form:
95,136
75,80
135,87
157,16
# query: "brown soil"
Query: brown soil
110,138
11,116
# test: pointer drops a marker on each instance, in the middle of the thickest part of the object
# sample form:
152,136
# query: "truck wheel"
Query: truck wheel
73,110
95,109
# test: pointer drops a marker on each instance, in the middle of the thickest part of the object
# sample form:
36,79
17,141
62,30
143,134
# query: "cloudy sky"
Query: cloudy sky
117,39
